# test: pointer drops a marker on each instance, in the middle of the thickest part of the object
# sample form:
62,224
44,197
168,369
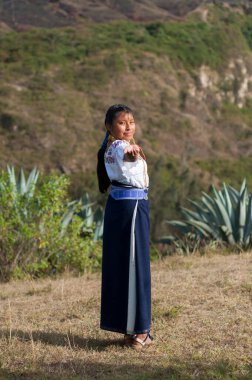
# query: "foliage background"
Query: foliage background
183,78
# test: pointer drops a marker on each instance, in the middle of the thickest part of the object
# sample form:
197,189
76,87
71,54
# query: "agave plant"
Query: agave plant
226,216
21,187
83,208
189,243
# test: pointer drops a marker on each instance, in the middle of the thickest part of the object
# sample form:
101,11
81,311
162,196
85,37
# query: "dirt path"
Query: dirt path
202,324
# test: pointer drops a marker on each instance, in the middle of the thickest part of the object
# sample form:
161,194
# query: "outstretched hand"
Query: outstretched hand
133,152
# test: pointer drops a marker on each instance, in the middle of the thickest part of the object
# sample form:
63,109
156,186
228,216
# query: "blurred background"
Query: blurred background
184,67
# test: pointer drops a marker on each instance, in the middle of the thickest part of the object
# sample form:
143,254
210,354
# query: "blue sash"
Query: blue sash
119,192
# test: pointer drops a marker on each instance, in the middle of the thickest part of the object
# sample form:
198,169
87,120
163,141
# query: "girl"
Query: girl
126,276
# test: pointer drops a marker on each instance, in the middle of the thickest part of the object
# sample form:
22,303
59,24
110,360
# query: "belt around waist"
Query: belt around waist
124,193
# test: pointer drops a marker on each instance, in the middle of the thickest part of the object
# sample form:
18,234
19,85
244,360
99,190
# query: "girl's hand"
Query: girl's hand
132,152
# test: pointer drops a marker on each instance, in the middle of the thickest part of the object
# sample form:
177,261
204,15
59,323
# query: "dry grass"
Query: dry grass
202,324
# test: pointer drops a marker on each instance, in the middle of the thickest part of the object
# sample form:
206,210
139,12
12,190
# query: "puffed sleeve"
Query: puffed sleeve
118,147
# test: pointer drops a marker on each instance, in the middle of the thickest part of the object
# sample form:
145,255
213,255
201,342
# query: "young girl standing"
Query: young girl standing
126,275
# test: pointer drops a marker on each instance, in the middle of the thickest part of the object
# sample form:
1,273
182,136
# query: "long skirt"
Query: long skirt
126,274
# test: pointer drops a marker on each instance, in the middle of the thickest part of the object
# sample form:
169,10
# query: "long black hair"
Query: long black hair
103,179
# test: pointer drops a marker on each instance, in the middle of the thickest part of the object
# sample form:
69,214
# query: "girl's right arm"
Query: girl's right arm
133,152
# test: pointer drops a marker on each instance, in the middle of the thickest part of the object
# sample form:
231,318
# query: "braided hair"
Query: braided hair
103,179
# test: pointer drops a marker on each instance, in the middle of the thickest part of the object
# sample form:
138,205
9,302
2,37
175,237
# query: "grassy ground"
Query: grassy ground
201,321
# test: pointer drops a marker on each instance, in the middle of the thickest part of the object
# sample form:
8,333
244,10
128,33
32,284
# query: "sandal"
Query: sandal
138,343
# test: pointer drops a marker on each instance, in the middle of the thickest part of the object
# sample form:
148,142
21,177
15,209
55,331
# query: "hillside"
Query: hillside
189,83
59,13
201,322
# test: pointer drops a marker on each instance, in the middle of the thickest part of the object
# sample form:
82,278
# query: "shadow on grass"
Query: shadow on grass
80,369
77,369
65,340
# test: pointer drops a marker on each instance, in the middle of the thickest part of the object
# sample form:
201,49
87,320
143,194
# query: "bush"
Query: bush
31,241
226,217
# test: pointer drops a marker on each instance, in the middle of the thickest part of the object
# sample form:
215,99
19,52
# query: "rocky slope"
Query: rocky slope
187,92
189,83
57,13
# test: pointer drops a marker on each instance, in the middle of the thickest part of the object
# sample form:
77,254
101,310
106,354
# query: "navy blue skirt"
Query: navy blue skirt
126,275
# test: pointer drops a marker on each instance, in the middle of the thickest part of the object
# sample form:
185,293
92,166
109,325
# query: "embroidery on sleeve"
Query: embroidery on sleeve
109,160
116,143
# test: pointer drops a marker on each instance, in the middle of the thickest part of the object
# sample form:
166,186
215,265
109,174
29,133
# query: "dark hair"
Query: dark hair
103,179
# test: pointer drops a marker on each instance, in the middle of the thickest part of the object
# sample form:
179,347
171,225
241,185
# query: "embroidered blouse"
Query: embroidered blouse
129,173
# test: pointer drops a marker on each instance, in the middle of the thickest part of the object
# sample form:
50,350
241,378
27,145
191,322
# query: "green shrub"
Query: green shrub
247,31
224,217
31,241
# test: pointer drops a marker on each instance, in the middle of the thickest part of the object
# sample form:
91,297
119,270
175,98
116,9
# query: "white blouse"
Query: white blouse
129,173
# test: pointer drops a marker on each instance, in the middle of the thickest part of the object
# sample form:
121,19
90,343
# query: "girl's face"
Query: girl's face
123,126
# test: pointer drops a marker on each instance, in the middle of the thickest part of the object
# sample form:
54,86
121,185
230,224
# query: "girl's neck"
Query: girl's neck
112,139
